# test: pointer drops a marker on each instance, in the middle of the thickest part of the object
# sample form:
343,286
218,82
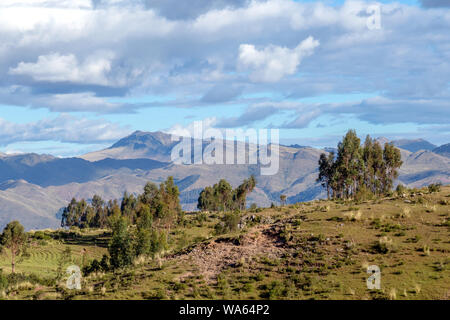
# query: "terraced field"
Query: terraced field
44,256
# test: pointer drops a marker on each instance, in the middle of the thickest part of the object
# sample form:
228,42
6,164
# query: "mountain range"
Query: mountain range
34,188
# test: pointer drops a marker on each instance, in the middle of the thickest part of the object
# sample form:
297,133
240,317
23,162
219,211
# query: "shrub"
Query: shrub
201,217
259,276
384,245
275,290
406,213
229,223
94,266
104,263
40,235
401,189
434,187
248,287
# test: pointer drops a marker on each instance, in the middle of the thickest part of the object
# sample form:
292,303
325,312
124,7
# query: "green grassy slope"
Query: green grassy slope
314,250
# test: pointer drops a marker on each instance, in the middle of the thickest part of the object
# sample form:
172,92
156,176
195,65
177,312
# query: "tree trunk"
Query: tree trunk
13,260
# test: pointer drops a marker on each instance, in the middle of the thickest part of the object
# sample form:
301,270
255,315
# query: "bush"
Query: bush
229,223
158,294
201,217
434,187
384,245
40,235
104,264
401,189
94,266
275,290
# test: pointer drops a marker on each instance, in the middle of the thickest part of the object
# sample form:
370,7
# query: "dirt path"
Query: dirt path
211,258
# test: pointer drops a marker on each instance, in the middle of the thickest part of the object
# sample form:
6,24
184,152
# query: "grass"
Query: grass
44,255
315,250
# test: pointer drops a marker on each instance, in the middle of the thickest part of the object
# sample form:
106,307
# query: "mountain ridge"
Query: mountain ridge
443,150
132,161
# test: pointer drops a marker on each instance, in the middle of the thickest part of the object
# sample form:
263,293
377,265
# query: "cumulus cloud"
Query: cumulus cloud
273,62
189,129
381,110
62,102
376,110
251,115
78,56
66,68
64,128
175,9
48,3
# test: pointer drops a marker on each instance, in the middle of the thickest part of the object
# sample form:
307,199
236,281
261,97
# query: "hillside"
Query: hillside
145,156
312,250
443,150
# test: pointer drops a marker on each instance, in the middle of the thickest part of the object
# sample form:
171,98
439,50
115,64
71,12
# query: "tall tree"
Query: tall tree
69,216
128,206
144,233
378,168
241,192
14,238
171,198
393,161
349,162
206,199
223,192
326,166
100,218
121,245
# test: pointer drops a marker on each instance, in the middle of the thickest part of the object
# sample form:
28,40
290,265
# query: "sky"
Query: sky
78,75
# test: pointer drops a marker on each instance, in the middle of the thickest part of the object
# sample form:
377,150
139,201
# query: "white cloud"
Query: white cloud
61,102
84,101
188,130
64,128
273,62
186,56
47,3
66,68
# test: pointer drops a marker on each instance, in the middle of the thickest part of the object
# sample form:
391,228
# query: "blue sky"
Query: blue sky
76,76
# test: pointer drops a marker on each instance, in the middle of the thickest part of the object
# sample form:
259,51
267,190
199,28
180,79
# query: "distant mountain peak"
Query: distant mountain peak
142,139
382,140
414,145
297,146
155,145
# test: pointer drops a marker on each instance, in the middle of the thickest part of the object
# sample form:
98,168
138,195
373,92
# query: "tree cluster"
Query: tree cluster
222,196
161,203
129,242
359,170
